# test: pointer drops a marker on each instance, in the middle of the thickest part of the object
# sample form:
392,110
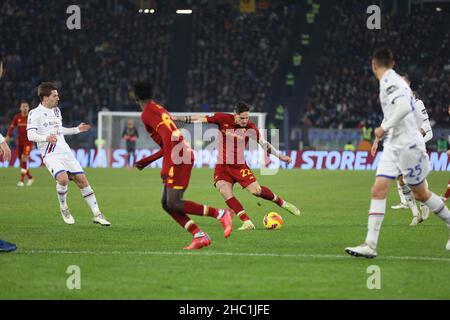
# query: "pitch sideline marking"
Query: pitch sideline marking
242,254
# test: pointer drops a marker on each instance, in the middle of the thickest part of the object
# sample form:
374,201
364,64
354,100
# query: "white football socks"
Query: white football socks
89,196
438,206
409,199
400,193
62,195
376,216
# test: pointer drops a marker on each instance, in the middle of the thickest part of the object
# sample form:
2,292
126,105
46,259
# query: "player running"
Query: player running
178,160
231,166
24,146
406,196
404,153
45,128
130,135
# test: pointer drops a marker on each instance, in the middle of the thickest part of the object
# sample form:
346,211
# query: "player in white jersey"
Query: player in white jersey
44,126
406,198
404,153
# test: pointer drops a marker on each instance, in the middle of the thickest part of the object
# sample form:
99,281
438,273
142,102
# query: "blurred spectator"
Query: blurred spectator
344,90
93,67
235,55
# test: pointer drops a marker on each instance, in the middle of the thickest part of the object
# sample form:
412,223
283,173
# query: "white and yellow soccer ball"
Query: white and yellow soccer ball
272,221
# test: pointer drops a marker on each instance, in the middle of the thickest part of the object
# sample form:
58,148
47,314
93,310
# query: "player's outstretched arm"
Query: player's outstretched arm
144,162
82,127
191,119
269,148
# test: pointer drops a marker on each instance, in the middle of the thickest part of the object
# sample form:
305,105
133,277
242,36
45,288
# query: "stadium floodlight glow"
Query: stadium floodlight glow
438,9
152,10
146,10
140,10
184,11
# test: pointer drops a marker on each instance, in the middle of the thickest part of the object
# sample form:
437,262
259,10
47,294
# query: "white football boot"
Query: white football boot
20,184
247,225
100,219
363,250
291,208
67,217
415,221
401,205
30,182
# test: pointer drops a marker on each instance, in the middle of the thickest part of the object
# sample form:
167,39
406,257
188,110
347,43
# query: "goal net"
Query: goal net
112,123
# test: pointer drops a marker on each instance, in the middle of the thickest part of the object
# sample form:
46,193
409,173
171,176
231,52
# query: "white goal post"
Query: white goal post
112,123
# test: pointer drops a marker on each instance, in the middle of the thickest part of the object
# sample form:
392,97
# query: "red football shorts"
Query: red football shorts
179,176
234,173
25,149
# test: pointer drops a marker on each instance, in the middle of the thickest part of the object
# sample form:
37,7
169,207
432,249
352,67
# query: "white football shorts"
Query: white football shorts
59,162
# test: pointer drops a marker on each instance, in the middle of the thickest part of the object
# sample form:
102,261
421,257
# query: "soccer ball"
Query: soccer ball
272,221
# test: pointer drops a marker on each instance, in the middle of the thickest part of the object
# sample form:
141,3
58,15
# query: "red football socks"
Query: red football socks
267,194
184,221
236,206
447,193
194,208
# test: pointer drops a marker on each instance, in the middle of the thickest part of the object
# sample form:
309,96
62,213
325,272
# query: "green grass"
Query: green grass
140,256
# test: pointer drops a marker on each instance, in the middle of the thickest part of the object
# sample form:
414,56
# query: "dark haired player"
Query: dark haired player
404,153
236,129
178,160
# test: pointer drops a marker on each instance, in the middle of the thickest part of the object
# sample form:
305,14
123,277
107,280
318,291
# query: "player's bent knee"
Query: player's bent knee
62,178
165,206
378,193
174,206
255,190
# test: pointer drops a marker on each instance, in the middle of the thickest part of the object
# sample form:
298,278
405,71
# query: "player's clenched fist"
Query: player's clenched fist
84,127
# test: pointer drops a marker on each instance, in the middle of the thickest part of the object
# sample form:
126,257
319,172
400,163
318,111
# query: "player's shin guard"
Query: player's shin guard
267,194
438,206
408,197
62,195
89,196
236,206
376,216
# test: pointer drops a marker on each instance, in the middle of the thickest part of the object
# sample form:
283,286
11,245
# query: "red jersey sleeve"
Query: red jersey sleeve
12,126
217,118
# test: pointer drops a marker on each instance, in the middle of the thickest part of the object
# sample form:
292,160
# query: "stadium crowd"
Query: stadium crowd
236,54
93,66
233,54
345,93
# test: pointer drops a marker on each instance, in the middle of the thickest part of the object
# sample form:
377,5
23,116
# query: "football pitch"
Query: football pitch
140,256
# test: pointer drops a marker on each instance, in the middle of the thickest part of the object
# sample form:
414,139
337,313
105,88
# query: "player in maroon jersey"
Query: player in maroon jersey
23,144
236,129
178,160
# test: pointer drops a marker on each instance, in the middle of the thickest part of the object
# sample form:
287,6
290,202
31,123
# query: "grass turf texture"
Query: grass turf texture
140,256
